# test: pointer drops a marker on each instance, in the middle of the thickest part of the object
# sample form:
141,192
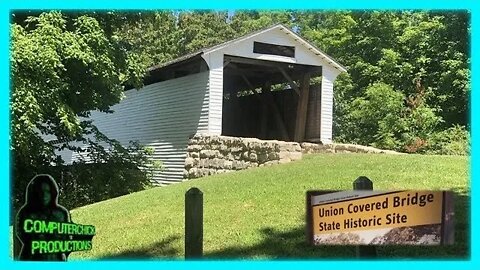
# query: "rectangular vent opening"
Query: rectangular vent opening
273,49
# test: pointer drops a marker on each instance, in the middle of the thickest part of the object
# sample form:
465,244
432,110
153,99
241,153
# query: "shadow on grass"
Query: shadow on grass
292,244
154,251
283,245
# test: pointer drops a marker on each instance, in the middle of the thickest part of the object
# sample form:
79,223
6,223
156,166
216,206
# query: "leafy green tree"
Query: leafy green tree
245,22
379,113
202,28
153,37
62,67
422,55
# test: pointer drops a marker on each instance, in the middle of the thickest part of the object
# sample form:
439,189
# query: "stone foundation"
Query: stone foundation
212,154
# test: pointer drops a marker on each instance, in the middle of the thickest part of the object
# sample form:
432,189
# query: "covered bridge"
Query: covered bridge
258,85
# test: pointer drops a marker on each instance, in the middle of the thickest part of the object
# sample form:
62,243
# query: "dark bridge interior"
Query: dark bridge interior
270,100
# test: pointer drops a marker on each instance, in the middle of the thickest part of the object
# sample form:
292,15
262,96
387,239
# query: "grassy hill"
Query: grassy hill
260,213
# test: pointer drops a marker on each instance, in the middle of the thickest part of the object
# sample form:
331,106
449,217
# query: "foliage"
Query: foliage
389,124
379,114
105,169
63,66
245,22
423,56
153,37
108,170
202,28
407,85
452,141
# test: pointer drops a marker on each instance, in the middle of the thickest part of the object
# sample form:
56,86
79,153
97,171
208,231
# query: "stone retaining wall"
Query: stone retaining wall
212,154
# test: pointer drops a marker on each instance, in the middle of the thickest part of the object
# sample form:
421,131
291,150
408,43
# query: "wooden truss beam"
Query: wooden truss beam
226,62
249,84
242,60
302,106
293,85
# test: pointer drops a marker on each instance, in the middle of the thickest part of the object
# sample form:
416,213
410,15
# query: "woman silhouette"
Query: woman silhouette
41,203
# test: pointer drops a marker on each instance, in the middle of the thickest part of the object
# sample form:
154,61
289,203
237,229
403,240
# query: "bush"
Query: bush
86,183
377,115
452,141
384,118
108,170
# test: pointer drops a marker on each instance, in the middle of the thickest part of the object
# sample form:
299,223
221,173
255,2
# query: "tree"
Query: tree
245,22
62,67
421,55
202,28
153,37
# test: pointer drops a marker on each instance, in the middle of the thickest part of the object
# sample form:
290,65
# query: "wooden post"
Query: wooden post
364,251
448,224
193,224
302,107
266,92
263,119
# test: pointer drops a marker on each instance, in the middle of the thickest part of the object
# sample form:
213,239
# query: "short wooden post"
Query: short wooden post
364,251
193,224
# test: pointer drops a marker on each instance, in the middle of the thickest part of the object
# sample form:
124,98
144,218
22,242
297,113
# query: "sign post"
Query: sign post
363,251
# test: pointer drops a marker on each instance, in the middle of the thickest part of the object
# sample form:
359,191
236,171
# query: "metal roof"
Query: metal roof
283,28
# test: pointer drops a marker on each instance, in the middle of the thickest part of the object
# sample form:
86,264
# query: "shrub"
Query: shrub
107,170
452,141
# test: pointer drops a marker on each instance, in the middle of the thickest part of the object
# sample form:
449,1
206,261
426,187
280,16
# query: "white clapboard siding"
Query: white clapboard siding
278,35
216,101
326,114
304,54
162,116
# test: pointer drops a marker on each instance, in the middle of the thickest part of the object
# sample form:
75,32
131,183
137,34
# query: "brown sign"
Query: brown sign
362,217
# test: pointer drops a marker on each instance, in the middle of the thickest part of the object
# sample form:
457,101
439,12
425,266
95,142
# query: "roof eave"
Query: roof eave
175,61
282,27
330,60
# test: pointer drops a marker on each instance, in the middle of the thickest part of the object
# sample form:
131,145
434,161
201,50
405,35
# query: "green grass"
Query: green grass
260,213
